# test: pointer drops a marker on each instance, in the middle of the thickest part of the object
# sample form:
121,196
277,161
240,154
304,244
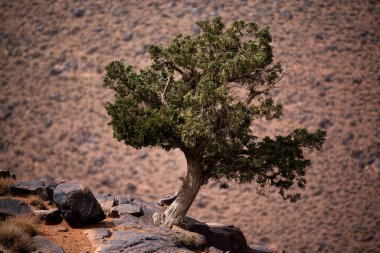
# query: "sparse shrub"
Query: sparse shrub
16,232
5,185
37,202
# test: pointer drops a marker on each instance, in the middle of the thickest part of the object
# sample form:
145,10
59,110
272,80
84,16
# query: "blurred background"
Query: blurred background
53,121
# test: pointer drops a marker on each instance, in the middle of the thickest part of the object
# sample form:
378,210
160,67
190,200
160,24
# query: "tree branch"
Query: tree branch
254,93
169,81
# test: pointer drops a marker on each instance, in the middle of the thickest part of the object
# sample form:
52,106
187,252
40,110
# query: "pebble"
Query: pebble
78,13
128,36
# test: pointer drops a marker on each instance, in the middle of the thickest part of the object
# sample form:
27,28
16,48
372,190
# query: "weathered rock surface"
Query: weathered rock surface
130,241
9,206
44,245
35,187
106,201
123,209
50,216
77,204
227,238
96,235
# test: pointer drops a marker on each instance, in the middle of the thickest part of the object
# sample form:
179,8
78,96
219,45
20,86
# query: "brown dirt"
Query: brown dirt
52,119
72,241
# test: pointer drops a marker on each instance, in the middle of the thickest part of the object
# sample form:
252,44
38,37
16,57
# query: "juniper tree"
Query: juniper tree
183,101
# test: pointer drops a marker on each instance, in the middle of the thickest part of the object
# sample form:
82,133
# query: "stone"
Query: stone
261,249
50,216
30,187
78,205
44,245
9,206
122,199
227,238
7,174
61,229
133,241
123,209
96,235
148,208
5,112
78,12
128,36
106,201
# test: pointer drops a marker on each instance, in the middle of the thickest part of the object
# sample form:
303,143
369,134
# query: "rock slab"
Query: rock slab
44,245
123,209
9,206
78,205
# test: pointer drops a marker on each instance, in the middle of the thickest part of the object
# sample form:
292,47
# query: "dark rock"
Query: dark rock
78,13
7,174
55,70
224,185
9,206
44,245
261,249
131,187
132,241
128,36
227,238
106,201
50,216
196,226
122,199
77,204
5,112
48,121
34,187
148,208
325,123
123,209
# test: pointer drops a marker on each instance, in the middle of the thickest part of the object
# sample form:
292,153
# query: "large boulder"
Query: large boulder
78,205
9,206
227,238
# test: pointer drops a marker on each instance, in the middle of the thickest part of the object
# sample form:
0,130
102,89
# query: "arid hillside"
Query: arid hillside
53,121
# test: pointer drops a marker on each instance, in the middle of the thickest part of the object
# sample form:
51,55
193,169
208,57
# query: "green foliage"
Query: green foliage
183,100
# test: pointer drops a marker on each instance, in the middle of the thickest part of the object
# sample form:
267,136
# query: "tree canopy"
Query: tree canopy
183,100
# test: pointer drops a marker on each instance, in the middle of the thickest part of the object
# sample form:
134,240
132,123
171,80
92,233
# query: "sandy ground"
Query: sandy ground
53,122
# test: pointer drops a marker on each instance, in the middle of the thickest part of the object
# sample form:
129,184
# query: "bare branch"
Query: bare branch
169,81
254,93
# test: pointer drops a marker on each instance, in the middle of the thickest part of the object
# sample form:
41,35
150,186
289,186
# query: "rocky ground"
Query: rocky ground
52,119
70,218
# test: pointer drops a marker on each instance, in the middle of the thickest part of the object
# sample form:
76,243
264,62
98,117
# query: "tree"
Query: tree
183,100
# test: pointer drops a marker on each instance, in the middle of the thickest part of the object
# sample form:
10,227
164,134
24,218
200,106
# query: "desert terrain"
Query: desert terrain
53,122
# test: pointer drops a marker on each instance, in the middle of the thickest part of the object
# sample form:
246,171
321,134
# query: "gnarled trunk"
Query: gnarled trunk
175,213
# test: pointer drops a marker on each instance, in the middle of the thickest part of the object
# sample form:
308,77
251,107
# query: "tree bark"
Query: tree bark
175,213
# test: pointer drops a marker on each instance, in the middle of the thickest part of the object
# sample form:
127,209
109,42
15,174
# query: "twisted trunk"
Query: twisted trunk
191,184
